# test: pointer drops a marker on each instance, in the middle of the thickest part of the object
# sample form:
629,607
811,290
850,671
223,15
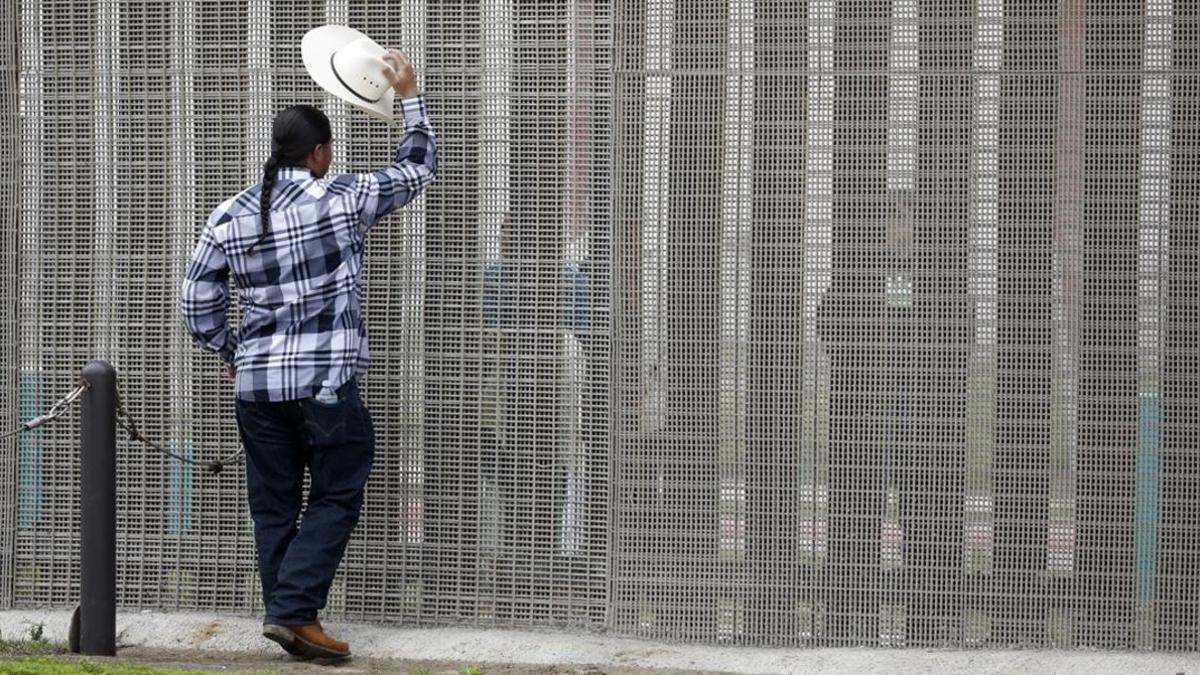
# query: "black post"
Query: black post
98,527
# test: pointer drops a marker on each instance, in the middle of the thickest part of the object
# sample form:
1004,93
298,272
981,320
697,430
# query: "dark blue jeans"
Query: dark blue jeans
336,443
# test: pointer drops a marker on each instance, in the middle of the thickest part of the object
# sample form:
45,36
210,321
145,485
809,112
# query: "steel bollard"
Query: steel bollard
98,526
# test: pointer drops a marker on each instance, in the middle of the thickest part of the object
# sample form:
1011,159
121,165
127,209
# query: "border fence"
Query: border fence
768,322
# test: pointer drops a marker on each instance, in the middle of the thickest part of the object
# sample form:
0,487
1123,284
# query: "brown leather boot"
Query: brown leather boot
308,640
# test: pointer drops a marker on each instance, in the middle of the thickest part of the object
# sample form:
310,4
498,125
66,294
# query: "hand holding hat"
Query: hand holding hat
399,73
353,67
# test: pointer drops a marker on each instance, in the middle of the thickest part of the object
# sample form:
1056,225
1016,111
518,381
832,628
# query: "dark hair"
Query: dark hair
296,131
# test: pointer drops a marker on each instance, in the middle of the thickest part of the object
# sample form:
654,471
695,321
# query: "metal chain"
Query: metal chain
56,411
126,422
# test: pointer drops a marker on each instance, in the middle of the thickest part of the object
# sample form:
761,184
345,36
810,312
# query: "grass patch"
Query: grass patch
45,666
35,645
30,648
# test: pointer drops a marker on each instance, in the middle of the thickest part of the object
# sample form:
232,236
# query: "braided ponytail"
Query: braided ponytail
270,171
296,131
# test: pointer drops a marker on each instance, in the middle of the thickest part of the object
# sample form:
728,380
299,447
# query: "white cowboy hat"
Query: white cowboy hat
349,65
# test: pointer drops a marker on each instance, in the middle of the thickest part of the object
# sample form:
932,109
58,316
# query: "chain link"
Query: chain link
127,424
125,421
56,411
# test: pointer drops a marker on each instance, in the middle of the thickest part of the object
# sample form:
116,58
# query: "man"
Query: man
294,245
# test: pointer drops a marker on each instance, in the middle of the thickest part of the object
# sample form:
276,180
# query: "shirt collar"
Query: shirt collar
305,178
296,173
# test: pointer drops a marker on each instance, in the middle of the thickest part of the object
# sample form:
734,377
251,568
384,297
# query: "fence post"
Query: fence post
98,526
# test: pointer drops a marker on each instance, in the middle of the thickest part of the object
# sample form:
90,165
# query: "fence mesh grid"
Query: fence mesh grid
904,308
10,182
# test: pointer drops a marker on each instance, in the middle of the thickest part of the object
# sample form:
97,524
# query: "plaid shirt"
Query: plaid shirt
302,328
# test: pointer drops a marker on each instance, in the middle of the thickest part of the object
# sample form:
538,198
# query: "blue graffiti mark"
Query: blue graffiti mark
30,453
179,493
1146,507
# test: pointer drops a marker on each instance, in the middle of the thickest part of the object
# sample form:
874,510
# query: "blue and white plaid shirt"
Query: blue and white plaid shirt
302,327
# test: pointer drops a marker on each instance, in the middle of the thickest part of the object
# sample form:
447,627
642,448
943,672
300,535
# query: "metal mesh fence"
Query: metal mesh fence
10,181
904,291
903,295
487,301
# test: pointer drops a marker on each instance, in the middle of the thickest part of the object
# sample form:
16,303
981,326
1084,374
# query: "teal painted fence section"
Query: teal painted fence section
30,453
179,493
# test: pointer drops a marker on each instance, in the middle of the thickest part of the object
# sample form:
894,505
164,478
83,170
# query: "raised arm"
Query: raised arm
380,192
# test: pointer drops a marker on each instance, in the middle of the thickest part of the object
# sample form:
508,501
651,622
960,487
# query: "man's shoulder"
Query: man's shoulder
238,207
343,184
243,203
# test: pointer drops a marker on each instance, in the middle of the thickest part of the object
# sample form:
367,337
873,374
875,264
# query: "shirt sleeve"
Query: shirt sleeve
204,297
380,192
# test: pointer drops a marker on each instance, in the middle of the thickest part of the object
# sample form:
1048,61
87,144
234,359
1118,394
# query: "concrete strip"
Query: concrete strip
235,634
